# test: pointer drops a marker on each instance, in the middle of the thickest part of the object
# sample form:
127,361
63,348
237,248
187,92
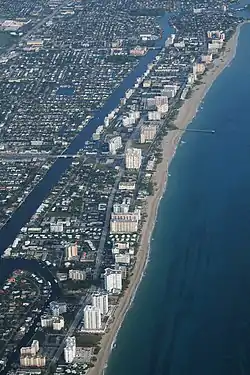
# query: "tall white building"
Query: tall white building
113,280
70,349
46,321
148,132
92,318
100,301
133,158
55,322
122,208
170,90
30,350
114,144
58,308
150,102
154,116
58,323
56,227
77,275
124,223
161,100
163,108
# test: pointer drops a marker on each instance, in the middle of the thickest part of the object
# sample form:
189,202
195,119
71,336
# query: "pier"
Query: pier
208,131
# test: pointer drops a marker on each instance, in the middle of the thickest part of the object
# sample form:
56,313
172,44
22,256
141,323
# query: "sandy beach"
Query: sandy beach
170,142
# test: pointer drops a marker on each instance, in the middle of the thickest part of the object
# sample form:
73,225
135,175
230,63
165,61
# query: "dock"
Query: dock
208,131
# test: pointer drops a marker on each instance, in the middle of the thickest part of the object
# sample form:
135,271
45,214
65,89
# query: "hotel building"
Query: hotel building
133,158
92,318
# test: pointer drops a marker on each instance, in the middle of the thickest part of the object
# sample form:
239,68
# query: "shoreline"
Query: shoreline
186,114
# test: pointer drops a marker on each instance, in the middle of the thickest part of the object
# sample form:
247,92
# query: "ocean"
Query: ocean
191,314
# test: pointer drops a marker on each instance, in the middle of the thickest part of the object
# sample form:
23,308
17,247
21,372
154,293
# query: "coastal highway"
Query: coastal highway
105,230
83,302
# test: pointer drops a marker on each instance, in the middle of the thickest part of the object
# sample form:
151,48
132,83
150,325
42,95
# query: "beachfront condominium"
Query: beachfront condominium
124,223
161,100
113,280
170,90
154,115
148,133
133,158
92,318
100,301
70,349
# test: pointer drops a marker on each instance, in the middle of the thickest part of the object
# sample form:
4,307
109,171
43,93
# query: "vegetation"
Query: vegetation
121,59
148,12
88,341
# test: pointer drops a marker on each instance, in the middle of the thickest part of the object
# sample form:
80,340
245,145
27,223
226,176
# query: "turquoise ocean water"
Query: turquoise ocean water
191,315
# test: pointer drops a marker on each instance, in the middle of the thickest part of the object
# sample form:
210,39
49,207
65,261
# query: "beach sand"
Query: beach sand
169,144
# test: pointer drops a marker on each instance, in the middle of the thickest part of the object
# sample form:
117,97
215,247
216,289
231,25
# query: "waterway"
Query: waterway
9,232
191,314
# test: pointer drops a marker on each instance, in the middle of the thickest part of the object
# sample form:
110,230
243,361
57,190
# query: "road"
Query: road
38,25
105,230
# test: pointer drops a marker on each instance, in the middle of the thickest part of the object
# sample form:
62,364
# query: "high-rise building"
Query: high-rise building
154,116
56,227
148,133
77,275
71,252
150,102
92,318
124,223
199,68
34,346
113,280
100,301
122,258
122,208
170,90
70,349
133,158
207,59
55,322
161,100
30,350
162,108
127,185
46,321
114,144
32,361
58,323
58,308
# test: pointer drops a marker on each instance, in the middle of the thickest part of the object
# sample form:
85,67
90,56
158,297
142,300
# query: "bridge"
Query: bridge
24,156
